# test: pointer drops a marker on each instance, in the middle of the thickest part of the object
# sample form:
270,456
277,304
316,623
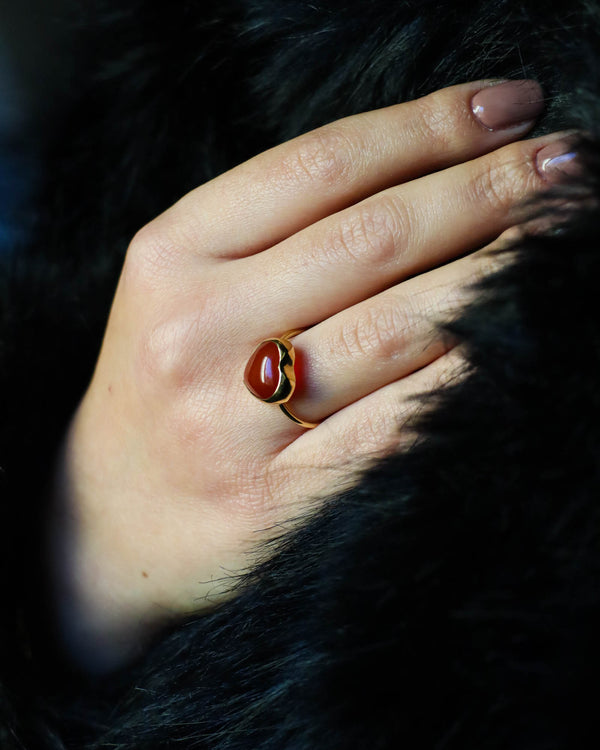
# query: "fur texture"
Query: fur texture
449,601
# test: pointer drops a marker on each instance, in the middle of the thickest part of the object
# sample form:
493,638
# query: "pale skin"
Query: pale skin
172,472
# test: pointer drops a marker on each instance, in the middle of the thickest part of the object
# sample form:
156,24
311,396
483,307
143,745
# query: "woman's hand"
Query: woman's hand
173,472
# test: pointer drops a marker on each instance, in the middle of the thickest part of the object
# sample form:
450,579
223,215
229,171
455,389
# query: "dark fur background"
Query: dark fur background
452,600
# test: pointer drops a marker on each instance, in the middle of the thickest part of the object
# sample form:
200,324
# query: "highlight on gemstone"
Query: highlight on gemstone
262,373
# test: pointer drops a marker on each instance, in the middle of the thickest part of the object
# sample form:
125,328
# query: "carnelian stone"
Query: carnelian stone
262,371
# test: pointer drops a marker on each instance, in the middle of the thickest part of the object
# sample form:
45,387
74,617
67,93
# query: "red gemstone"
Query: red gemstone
262,371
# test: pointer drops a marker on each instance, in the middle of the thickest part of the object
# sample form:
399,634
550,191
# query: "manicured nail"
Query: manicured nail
557,160
505,105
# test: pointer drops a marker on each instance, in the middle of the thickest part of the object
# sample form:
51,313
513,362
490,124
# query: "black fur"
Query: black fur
449,601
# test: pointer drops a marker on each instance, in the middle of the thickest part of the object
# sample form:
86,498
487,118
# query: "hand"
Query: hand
172,472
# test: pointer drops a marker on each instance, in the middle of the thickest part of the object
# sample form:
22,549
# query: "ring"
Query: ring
270,374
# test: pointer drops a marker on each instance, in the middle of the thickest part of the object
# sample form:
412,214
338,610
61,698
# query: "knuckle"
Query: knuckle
178,346
503,181
491,187
150,257
370,233
323,156
164,360
378,334
432,123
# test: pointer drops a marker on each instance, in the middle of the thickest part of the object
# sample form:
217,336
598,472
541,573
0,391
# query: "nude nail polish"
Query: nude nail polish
508,104
557,160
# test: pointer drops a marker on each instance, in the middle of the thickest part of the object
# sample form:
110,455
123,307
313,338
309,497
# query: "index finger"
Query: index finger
291,186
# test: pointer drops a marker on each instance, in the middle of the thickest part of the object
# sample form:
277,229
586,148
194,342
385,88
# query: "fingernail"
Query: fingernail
557,160
505,105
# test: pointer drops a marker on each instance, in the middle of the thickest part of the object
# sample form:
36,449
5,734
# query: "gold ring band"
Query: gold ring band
297,420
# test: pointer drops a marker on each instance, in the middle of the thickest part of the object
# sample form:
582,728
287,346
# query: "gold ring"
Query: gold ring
270,375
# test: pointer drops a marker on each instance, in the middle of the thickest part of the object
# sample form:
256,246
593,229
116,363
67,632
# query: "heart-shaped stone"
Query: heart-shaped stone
262,374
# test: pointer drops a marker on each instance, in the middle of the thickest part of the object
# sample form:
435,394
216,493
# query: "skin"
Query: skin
172,473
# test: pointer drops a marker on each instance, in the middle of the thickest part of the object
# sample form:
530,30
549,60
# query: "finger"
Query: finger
332,456
383,338
279,192
404,230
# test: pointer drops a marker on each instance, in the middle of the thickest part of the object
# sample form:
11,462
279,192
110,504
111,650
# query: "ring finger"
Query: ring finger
381,339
